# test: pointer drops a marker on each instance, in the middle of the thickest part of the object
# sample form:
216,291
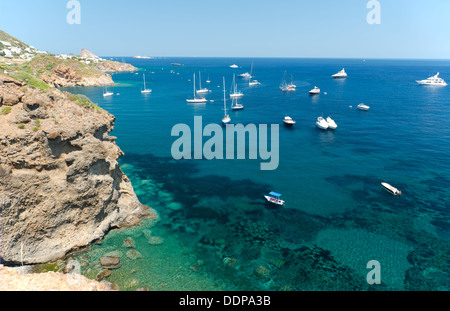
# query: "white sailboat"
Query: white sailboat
107,93
200,90
253,82
208,81
145,90
234,92
226,119
196,100
287,87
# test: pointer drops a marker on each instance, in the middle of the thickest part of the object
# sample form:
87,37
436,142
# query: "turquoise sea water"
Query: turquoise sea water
216,227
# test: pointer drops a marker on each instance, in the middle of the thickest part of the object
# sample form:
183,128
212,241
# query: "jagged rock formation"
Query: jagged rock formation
13,280
61,187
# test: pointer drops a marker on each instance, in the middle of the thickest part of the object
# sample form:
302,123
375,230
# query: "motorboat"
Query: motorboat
363,107
391,189
314,91
322,123
245,75
274,198
433,81
331,124
234,66
340,75
288,121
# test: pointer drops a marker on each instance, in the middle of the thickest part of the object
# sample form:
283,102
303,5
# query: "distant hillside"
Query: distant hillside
27,63
15,42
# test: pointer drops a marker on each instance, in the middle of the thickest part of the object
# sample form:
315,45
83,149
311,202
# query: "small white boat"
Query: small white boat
314,91
107,93
331,124
288,121
291,87
234,66
391,189
363,107
322,123
226,119
433,81
274,198
208,81
245,75
340,75
253,82
201,90
145,90
234,92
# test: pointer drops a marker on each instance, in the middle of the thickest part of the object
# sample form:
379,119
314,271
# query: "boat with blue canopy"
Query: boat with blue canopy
274,198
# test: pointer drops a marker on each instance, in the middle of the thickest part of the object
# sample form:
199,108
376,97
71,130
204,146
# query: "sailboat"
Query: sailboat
208,81
235,92
226,119
107,93
200,90
235,105
145,90
253,82
287,87
196,100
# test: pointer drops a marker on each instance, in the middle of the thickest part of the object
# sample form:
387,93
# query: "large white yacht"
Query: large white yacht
340,75
434,81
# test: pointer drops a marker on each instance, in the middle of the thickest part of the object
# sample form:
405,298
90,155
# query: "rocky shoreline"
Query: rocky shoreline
61,187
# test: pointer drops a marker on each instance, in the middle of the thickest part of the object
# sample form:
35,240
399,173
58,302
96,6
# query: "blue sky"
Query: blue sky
234,28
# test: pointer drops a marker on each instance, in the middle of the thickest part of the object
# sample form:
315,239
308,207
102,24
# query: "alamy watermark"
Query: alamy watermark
374,16
374,275
216,148
74,15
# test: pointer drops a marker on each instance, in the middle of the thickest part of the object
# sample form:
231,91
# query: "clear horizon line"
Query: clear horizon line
287,57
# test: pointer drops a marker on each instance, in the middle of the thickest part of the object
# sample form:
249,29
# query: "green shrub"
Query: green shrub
35,128
6,110
85,102
21,126
37,122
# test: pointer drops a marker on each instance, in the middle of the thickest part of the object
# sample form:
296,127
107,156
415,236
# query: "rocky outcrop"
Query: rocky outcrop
61,187
88,54
110,66
66,76
14,280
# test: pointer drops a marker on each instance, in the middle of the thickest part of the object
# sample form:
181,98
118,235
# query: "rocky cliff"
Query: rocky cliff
61,187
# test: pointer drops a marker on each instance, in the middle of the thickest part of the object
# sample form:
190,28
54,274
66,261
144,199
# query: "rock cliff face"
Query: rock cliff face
61,187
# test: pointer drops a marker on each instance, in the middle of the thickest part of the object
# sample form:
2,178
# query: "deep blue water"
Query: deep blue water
336,210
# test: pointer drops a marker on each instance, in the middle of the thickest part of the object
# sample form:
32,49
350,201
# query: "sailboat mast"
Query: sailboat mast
194,85
224,98
200,80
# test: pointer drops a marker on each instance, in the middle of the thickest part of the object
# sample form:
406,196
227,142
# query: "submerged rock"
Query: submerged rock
134,254
128,243
262,272
155,240
110,262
